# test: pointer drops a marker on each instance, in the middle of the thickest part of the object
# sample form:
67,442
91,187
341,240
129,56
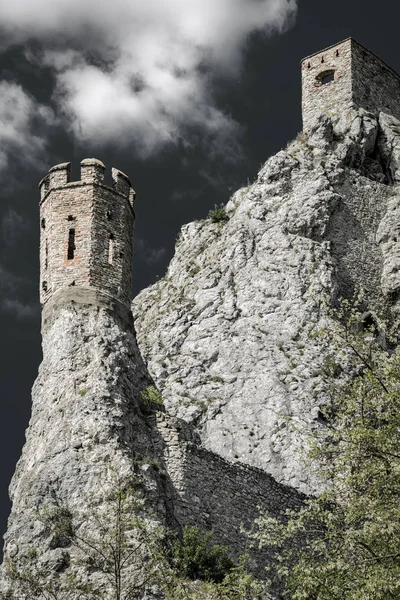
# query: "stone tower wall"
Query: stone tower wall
86,232
375,86
344,77
330,97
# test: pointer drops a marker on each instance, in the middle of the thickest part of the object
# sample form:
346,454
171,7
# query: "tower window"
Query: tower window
71,244
70,218
111,249
46,257
325,77
44,286
337,52
43,223
109,215
322,60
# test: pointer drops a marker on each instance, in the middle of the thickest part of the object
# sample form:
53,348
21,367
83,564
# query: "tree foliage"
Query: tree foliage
114,541
345,543
116,552
196,557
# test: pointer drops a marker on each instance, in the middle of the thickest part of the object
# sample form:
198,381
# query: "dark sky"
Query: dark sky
175,182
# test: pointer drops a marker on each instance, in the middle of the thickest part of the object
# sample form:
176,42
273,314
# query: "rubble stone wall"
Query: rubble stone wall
215,494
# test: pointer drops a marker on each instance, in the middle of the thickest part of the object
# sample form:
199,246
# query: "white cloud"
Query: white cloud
139,72
23,123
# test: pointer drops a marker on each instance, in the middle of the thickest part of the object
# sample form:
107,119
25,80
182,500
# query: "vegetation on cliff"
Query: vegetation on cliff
350,534
121,555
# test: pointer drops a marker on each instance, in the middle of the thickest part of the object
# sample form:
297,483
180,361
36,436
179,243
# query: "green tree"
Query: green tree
345,543
202,570
218,214
115,540
123,552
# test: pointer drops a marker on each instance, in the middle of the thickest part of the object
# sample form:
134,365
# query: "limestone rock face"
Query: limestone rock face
85,421
226,333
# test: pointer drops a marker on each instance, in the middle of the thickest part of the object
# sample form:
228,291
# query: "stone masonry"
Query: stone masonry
344,77
86,232
87,418
227,337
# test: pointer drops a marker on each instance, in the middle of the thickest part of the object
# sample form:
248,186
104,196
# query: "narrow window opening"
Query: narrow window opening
109,215
111,249
46,257
309,66
71,244
322,60
326,77
70,218
337,52
44,286
43,223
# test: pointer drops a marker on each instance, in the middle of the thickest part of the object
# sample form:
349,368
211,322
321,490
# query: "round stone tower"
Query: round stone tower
86,235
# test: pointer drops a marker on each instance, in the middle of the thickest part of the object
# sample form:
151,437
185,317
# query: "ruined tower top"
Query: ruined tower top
344,77
86,232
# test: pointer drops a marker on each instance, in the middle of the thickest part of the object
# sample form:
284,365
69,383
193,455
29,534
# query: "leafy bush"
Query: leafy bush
196,557
150,398
218,214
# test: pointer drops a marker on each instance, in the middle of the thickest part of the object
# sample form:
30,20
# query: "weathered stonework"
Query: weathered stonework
87,417
345,77
86,232
227,336
214,494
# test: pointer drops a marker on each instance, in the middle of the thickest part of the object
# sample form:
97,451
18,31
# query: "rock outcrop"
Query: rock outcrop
226,334
86,426
227,338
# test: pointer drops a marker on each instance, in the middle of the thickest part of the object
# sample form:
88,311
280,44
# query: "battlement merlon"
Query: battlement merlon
92,172
345,77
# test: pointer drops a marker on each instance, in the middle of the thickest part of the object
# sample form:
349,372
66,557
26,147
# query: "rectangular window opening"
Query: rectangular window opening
326,77
111,249
71,244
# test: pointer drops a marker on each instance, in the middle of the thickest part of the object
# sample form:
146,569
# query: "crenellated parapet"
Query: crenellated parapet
86,232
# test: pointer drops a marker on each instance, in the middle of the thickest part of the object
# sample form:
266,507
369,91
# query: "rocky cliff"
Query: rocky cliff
226,333
227,337
86,429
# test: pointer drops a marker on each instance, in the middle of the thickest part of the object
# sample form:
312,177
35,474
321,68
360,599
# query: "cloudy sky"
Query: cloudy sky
188,97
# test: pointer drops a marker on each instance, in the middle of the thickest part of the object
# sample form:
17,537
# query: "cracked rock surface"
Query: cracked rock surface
226,333
84,431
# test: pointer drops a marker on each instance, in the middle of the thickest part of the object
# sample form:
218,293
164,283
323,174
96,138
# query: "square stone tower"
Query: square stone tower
344,77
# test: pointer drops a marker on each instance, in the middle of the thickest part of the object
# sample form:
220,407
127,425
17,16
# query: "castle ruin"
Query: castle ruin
346,77
224,337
